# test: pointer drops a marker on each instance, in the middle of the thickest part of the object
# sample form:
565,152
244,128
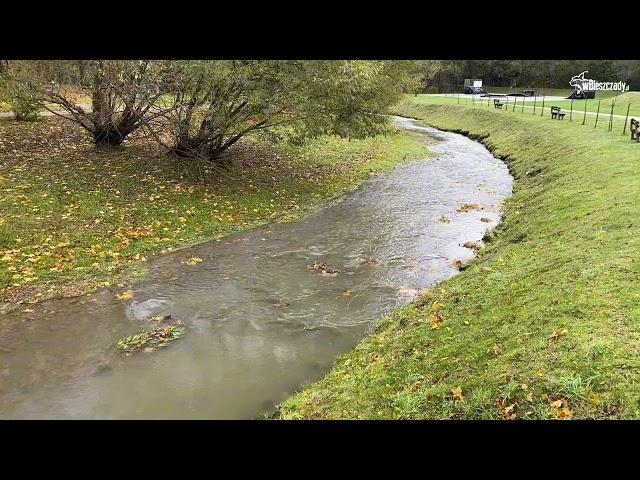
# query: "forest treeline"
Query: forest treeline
443,76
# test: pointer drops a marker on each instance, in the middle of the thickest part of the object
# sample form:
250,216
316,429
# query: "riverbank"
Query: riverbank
74,218
545,322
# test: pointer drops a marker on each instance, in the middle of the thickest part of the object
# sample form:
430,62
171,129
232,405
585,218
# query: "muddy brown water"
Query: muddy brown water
260,323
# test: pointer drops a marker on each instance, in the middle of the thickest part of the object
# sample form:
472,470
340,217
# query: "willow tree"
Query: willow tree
108,98
216,103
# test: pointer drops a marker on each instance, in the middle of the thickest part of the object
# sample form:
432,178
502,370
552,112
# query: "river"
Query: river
260,322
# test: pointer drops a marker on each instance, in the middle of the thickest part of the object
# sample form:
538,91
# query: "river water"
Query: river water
260,323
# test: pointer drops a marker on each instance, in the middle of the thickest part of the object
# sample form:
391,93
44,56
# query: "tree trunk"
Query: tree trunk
107,136
189,147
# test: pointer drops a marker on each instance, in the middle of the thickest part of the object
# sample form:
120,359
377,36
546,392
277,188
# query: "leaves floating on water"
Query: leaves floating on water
444,219
322,267
193,261
128,295
457,264
468,207
475,246
155,338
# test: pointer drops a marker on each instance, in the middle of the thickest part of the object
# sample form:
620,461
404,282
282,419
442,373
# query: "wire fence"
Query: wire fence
579,110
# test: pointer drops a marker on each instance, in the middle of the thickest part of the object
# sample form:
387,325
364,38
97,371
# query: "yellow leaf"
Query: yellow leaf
193,261
128,295
457,394
559,333
565,413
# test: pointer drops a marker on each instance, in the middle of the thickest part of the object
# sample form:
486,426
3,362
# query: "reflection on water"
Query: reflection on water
260,322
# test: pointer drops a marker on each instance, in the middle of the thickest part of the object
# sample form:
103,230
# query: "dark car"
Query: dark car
583,94
528,93
474,90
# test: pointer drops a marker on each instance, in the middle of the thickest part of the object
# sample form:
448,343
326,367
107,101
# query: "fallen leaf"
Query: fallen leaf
128,295
468,207
558,333
475,246
193,261
457,394
564,413
438,319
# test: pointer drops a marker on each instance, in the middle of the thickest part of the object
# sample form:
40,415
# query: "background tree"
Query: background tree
22,99
527,73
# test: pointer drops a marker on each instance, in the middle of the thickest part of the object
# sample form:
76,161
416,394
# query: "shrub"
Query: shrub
25,108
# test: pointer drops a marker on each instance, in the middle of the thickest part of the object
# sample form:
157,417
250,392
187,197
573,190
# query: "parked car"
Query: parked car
474,90
583,94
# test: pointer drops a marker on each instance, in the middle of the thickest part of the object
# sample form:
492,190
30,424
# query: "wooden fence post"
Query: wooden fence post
611,114
624,129
571,112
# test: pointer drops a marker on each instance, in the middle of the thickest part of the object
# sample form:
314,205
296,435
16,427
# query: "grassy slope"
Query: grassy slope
73,217
622,101
545,323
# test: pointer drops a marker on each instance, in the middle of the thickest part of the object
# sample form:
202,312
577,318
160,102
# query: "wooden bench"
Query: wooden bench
635,130
557,113
497,103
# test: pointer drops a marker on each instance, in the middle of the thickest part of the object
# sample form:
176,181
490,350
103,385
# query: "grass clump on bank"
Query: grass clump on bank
73,217
545,323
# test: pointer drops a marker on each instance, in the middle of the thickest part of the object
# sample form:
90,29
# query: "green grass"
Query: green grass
73,217
622,101
545,323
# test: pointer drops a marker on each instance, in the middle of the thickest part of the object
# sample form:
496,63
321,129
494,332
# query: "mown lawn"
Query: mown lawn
620,102
545,323
73,218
